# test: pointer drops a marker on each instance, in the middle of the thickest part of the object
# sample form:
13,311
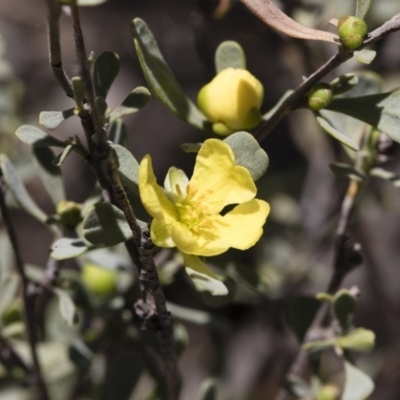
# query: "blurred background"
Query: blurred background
252,346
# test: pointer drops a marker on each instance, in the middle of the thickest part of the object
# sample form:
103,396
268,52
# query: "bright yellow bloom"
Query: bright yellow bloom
186,214
232,101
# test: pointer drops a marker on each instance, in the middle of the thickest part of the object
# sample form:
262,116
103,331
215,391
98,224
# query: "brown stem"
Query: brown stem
28,297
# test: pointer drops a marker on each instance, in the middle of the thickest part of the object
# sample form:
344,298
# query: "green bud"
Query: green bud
69,213
320,96
99,280
352,31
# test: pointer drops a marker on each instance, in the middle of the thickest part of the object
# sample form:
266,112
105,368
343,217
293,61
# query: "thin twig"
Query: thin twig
28,296
53,23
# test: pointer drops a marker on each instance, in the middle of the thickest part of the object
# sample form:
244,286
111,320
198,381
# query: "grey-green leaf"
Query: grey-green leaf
105,225
344,305
208,390
134,102
229,54
52,119
362,8
65,248
118,133
49,173
358,385
381,111
19,191
191,147
344,83
346,170
106,68
67,307
386,175
60,158
128,167
365,56
9,284
248,153
161,80
33,136
360,339
341,137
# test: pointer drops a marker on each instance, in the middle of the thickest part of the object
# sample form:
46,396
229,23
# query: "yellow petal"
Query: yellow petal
241,228
153,197
160,234
216,178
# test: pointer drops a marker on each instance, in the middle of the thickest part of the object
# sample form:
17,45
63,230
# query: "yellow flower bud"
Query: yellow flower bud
69,213
99,280
232,101
320,96
352,31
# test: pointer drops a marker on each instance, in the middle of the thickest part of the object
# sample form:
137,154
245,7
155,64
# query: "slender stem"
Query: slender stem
53,17
28,297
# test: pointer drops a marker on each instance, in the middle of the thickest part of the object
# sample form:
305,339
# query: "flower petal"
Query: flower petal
216,178
153,197
175,184
241,228
160,234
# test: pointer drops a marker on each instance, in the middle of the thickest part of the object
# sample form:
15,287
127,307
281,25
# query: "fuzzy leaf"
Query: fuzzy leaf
362,8
344,83
248,153
134,102
160,79
229,54
67,307
360,339
118,133
386,175
203,278
346,170
33,136
105,225
191,147
105,70
65,248
52,119
19,191
365,56
382,111
341,137
358,385
128,167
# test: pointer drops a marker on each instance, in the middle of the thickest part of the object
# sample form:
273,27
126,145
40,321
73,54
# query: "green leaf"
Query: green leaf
65,248
358,385
341,137
67,307
52,119
221,300
318,345
344,305
209,389
269,114
365,56
346,170
105,225
105,70
90,3
33,136
203,278
382,111
229,54
134,102
118,133
344,83
161,80
60,158
18,190
362,8
191,147
248,153
386,175
9,285
128,167
49,173
360,339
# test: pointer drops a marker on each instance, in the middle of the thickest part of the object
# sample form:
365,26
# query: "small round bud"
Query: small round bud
320,96
69,213
352,31
101,281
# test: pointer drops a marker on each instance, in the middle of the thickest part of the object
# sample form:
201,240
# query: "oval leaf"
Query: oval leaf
344,83
341,137
52,119
358,385
229,54
18,190
386,175
362,8
118,133
346,170
105,225
248,153
365,56
209,390
105,70
360,339
128,167
67,307
65,248
33,136
160,79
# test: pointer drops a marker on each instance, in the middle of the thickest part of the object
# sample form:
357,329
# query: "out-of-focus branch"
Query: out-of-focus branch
28,296
53,17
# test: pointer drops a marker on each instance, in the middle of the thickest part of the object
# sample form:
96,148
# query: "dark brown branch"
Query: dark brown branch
28,297
53,17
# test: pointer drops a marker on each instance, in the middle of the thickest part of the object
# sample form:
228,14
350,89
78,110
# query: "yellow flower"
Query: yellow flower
232,101
186,214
